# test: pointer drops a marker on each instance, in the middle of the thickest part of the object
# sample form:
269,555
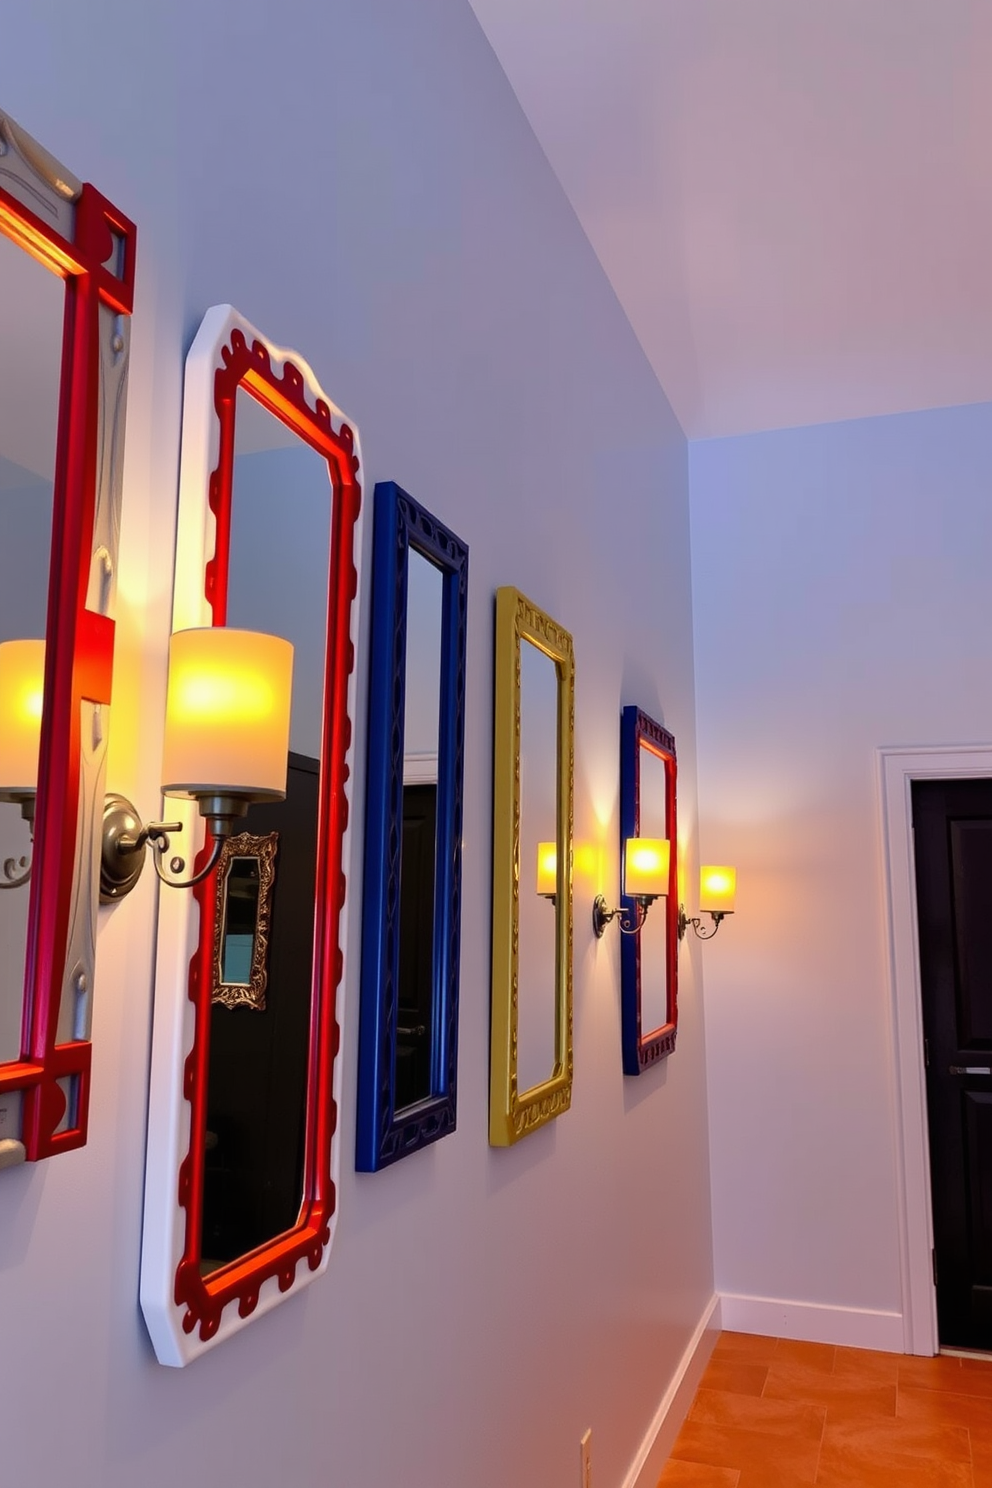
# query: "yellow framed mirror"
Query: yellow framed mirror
530,1079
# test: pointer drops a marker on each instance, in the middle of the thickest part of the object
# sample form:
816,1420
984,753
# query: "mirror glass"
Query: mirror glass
421,716
240,920
31,312
259,1055
536,983
654,932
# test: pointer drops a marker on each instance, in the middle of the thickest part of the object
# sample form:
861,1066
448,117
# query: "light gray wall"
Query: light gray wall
842,603
358,179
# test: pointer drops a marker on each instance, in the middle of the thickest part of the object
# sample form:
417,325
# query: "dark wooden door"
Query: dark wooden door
952,822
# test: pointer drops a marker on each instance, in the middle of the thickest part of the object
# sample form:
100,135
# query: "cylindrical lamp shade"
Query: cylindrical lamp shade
547,868
227,714
646,861
22,691
717,889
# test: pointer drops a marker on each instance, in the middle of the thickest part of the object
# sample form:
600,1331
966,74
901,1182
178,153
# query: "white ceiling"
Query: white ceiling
792,198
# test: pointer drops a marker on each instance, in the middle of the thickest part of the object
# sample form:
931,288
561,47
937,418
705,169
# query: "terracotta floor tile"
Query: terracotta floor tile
867,1366
942,1408
775,1419
772,1462
811,1356
981,1460
845,1397
749,1346
698,1475
908,1453
942,1373
735,1375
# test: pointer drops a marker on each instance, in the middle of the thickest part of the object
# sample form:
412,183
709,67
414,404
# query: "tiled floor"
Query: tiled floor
770,1413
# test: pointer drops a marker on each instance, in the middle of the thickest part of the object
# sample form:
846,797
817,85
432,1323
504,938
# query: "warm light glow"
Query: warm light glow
227,713
22,689
717,889
547,868
646,862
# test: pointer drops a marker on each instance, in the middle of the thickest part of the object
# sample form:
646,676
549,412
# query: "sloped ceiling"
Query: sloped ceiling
792,200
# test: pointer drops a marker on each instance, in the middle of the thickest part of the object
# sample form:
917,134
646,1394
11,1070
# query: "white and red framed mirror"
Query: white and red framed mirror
67,259
242,1166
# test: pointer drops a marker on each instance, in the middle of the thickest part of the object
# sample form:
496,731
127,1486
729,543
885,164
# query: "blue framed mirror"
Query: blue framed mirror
408,1037
648,960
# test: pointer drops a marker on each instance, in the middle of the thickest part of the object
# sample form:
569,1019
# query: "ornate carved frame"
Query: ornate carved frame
513,1113
383,1135
78,234
643,1049
187,1313
250,994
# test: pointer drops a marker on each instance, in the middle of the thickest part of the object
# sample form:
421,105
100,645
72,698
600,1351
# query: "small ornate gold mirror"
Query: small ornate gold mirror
245,876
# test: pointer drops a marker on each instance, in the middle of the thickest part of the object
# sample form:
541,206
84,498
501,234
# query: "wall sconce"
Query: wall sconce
646,862
226,746
22,690
547,871
717,895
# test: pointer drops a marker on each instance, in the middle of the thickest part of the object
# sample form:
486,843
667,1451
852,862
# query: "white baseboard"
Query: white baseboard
774,1317
655,1449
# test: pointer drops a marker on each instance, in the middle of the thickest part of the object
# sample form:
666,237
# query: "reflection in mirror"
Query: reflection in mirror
530,1073
408,1044
421,719
648,959
536,1001
31,312
239,921
654,932
257,1079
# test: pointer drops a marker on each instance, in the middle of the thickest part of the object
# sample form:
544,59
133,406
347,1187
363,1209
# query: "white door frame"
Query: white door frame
897,769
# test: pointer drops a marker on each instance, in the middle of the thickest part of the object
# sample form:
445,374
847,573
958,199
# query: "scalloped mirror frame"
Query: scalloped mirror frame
76,233
187,1313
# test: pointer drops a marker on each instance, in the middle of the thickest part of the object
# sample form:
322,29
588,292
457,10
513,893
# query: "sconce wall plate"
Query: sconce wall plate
76,233
392,970
190,1301
643,1046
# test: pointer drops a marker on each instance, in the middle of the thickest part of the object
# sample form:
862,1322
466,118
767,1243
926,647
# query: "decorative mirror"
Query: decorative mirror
66,292
649,959
241,1184
408,1050
531,1020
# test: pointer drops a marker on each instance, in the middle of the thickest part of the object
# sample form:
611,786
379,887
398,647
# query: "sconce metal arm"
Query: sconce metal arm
124,841
601,916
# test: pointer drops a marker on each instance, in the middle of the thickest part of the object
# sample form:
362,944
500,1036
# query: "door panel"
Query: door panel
952,822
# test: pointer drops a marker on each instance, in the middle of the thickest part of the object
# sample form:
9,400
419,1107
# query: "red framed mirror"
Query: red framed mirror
241,1184
66,295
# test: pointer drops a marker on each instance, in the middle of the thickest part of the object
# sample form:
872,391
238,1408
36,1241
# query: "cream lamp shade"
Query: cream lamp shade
717,889
22,690
547,869
227,714
646,862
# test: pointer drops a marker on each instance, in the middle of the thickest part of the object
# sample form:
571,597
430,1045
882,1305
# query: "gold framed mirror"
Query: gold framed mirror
530,1079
